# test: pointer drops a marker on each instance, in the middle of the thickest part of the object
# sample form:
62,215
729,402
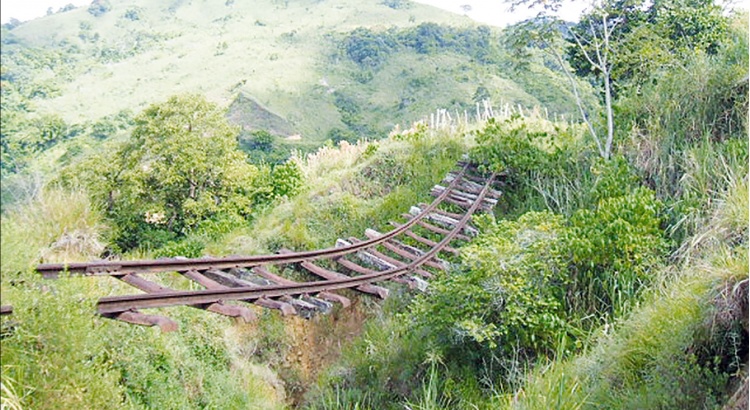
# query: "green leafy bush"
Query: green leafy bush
287,179
615,250
546,165
189,248
508,297
510,146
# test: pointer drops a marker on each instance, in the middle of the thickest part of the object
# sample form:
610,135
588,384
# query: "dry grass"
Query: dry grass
56,226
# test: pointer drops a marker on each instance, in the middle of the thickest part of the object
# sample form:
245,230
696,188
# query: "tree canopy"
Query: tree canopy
644,36
180,171
619,44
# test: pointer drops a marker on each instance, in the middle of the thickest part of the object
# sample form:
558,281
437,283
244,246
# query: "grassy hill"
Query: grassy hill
139,51
89,63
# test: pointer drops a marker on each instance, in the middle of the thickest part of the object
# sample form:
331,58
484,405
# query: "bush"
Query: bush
99,7
546,165
180,169
261,140
133,13
510,146
188,248
615,249
287,179
506,302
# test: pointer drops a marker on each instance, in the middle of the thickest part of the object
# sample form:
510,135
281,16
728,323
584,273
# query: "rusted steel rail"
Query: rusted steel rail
6,310
115,304
109,268
399,262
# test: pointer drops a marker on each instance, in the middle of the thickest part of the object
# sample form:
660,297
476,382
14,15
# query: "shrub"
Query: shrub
615,249
180,172
99,7
134,13
261,140
507,299
287,179
510,146
189,248
546,166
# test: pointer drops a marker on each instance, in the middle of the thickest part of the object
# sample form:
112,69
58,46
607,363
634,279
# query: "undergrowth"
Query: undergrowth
57,354
672,352
640,304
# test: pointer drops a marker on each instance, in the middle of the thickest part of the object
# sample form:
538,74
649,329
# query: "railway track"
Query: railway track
408,254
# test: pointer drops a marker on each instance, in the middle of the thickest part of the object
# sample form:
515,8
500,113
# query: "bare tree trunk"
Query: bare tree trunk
579,101
601,48
604,62
610,115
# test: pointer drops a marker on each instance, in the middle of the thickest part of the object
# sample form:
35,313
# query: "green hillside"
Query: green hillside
613,272
137,52
316,70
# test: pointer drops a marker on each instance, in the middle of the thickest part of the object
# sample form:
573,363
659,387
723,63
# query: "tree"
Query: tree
368,48
617,43
647,37
481,94
595,44
262,140
545,33
180,170
133,13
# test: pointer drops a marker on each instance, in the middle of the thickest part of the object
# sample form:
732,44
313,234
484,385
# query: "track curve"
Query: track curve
407,264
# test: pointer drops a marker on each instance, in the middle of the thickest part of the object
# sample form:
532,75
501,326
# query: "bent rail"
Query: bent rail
108,268
407,264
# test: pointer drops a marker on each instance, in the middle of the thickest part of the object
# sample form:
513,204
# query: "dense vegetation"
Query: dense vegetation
604,282
181,172
345,188
612,274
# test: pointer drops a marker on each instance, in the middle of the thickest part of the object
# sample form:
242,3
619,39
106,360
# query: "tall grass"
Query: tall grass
55,353
644,361
55,226
687,130
670,352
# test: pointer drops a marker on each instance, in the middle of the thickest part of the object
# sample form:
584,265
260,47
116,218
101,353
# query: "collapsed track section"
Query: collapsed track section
408,254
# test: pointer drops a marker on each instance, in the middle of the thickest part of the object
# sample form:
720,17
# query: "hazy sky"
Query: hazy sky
496,12
30,9
485,11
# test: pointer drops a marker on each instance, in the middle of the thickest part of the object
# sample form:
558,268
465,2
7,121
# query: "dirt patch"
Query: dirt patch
317,343
294,350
